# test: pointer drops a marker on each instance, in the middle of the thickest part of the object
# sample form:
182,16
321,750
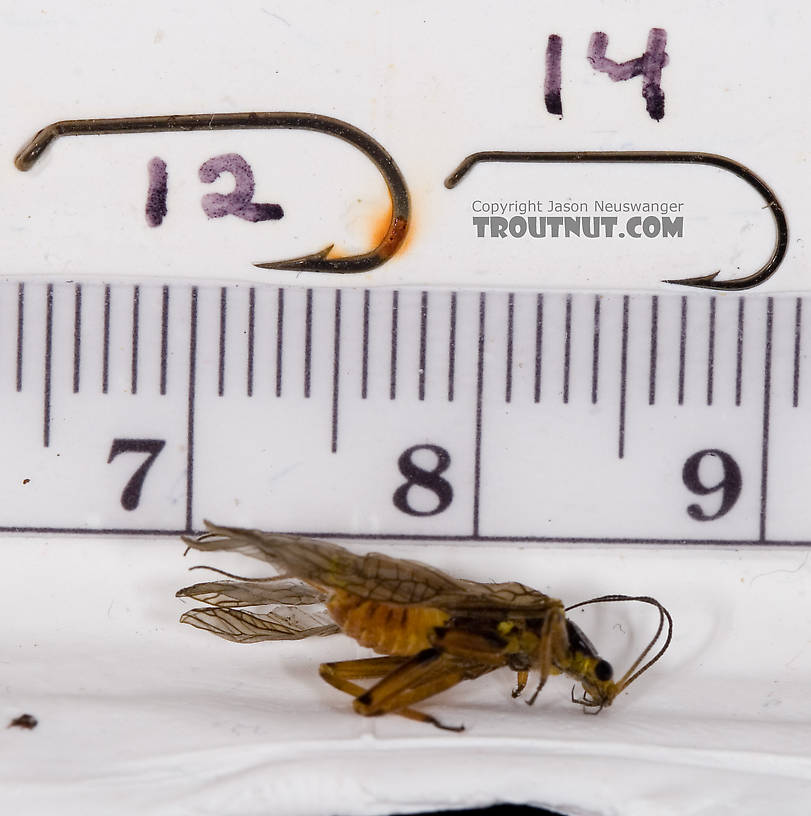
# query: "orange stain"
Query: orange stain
378,225
380,229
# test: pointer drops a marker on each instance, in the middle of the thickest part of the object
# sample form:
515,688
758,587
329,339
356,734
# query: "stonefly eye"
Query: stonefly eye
603,671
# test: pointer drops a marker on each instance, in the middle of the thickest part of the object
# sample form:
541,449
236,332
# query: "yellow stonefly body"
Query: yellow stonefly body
432,630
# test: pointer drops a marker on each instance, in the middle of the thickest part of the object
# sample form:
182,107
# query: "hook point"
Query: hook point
700,281
312,262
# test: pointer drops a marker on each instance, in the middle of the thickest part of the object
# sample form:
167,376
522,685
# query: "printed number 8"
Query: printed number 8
429,479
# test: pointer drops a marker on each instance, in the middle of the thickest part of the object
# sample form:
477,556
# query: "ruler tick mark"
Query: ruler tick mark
251,324
105,353
595,355
221,361
20,317
279,339
767,385
654,342
682,348
508,385
567,347
164,338
711,352
308,342
336,368
192,392
77,336
364,363
477,464
393,365
538,345
136,298
623,375
423,342
49,313
451,347
739,354
428,538
798,316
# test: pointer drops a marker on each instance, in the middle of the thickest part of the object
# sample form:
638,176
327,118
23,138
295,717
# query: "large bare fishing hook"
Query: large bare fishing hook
315,262
661,157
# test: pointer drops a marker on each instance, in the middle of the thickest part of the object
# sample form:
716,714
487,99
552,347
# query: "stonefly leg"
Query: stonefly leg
315,262
660,157
340,675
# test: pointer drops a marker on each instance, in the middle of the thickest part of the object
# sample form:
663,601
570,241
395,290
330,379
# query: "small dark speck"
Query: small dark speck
26,481
26,721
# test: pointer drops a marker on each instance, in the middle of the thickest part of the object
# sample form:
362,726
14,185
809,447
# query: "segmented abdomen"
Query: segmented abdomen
390,629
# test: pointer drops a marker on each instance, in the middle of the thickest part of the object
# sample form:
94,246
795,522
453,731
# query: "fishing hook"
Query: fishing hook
315,262
661,157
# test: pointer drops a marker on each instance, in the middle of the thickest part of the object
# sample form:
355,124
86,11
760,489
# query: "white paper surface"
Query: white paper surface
138,714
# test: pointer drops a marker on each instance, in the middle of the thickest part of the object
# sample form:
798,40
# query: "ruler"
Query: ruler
405,413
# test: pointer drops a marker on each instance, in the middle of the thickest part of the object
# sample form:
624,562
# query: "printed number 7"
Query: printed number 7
132,490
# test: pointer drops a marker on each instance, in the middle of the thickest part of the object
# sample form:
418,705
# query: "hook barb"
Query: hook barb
660,157
314,262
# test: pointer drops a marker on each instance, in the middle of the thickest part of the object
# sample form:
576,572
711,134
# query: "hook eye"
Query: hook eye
659,157
314,262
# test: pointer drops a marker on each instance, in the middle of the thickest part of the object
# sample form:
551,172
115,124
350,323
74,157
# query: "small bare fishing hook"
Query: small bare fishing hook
661,157
315,262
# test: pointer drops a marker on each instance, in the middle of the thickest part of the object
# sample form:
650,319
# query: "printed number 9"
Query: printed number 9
729,484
